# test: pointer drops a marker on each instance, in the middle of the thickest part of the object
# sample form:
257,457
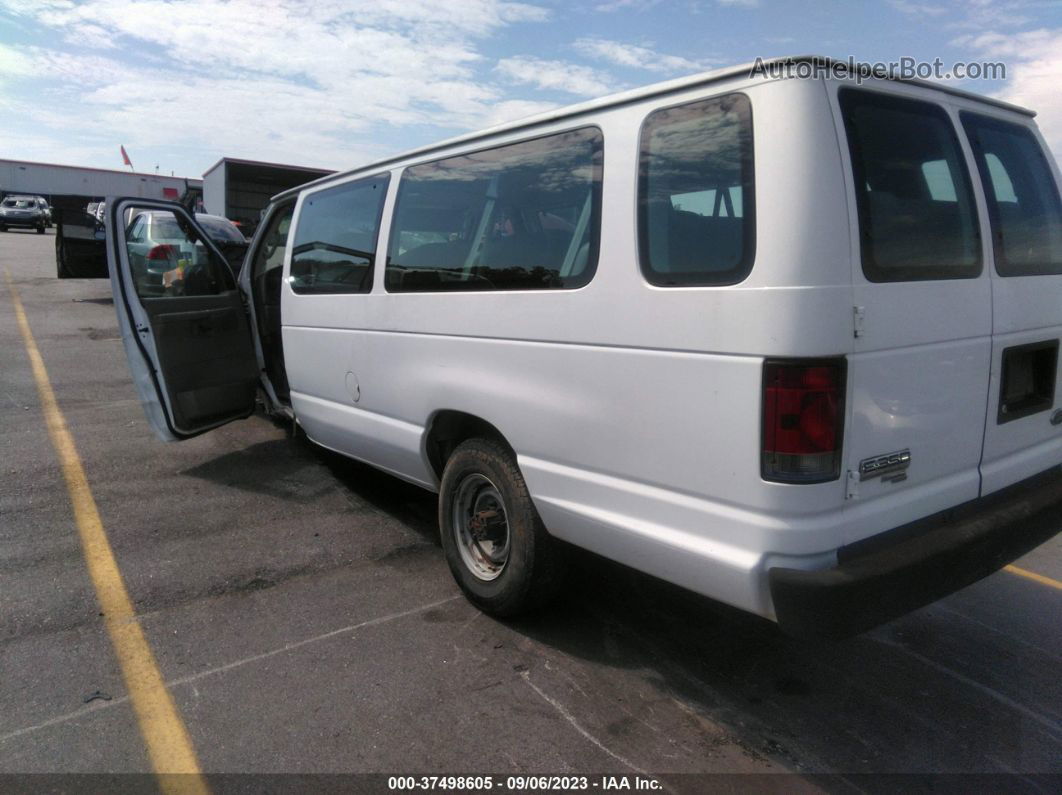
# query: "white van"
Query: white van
789,343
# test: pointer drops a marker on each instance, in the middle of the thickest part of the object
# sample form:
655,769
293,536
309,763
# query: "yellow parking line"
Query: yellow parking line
1032,575
168,744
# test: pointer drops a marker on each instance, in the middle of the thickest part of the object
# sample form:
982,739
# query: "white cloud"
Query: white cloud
514,109
556,76
739,3
294,81
991,14
623,5
1034,74
918,9
636,56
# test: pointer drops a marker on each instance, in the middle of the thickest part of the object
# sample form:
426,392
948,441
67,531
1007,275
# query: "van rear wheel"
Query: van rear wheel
495,543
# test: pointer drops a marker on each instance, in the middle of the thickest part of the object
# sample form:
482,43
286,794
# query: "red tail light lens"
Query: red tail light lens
163,251
803,420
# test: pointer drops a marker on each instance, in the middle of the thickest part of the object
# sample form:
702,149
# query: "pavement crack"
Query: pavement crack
96,706
525,675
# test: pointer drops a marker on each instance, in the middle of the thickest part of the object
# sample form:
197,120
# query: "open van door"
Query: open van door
80,250
182,318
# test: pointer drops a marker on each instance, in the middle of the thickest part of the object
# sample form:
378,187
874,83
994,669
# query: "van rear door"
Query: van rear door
186,331
1023,426
922,313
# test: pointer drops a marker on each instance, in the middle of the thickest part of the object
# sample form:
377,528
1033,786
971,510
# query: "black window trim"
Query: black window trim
999,256
870,270
597,197
749,236
335,187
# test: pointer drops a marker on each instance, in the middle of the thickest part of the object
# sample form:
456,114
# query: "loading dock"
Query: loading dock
240,189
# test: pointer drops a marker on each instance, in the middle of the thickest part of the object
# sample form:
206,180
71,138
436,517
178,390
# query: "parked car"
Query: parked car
160,251
81,252
789,343
46,208
23,211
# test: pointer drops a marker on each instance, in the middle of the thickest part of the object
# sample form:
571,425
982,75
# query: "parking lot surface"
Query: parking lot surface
303,619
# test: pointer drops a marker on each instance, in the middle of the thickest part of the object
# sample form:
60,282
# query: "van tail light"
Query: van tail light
803,420
164,251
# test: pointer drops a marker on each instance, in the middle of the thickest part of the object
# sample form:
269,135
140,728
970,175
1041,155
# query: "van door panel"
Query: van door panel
920,370
1021,190
202,346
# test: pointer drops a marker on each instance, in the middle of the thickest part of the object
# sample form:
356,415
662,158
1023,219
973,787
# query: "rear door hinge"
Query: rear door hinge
859,315
851,491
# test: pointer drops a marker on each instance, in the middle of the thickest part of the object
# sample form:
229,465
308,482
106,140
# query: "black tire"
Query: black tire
533,570
40,230
3,228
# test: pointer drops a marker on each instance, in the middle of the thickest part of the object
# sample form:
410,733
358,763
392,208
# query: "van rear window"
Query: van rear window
917,217
1023,201
524,216
695,193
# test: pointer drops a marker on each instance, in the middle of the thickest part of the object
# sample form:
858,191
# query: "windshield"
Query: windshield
165,228
22,204
220,229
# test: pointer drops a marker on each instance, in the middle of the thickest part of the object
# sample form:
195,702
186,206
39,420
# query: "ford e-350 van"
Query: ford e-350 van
792,344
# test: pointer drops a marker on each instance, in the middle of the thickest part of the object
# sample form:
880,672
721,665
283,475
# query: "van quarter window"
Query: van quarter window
916,208
335,241
1023,201
524,216
695,193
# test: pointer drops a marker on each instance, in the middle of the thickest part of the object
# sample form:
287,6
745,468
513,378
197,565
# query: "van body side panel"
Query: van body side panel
634,410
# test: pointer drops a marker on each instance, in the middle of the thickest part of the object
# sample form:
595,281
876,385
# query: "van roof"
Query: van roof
636,94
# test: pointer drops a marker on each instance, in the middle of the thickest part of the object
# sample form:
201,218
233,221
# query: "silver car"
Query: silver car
25,212
163,255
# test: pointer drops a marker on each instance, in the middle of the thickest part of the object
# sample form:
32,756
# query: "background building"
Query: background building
91,184
240,189
233,188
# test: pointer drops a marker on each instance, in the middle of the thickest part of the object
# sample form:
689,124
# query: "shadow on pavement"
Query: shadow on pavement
911,696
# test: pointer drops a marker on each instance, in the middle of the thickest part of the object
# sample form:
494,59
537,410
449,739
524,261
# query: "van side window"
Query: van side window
695,193
335,241
1023,201
525,216
917,218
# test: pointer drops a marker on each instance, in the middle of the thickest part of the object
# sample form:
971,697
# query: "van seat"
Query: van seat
438,255
914,232
700,243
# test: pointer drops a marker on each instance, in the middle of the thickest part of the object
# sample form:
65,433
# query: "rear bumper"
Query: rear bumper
903,569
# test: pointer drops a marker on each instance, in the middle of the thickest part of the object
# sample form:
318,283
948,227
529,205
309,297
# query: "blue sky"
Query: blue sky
333,83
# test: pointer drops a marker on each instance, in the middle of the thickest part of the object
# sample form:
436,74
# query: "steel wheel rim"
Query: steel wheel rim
481,527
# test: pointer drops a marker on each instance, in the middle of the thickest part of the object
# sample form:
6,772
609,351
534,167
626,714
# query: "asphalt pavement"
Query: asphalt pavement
304,621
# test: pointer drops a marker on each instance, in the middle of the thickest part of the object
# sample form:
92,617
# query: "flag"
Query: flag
125,157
